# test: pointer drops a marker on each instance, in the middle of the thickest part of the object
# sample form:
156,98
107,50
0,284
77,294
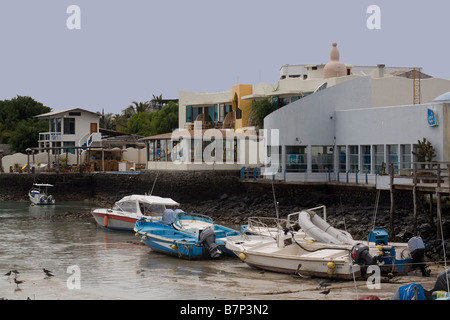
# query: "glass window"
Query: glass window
188,113
69,143
365,158
405,150
353,158
296,159
293,99
69,125
322,158
55,125
392,156
274,153
378,154
342,158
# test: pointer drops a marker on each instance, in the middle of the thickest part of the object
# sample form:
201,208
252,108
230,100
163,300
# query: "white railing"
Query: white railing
50,136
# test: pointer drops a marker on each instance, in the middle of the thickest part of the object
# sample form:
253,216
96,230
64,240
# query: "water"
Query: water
113,266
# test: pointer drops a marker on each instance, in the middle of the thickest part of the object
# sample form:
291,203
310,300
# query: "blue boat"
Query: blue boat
185,235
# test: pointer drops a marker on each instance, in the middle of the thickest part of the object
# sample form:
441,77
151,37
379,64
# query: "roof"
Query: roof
149,200
55,113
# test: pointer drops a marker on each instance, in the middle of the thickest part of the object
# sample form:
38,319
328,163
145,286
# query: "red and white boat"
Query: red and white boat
125,212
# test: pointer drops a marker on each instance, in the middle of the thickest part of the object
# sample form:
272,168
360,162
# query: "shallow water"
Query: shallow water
112,265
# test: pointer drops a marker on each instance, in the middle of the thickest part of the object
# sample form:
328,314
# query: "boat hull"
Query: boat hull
114,222
186,244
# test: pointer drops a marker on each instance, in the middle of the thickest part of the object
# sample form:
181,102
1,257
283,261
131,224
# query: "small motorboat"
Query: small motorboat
185,235
125,212
38,194
317,249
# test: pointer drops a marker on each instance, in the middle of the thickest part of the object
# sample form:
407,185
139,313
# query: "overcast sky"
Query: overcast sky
129,50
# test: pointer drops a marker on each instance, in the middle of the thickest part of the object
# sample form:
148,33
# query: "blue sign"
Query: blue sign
432,117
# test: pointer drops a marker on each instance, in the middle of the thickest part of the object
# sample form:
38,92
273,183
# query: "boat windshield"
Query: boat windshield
126,206
147,208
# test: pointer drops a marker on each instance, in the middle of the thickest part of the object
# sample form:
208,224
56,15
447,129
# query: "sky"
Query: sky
130,50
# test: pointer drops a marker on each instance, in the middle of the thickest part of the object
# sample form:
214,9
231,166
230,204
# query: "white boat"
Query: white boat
125,212
317,249
38,194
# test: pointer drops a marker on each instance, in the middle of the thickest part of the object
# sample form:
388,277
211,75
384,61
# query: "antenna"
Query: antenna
154,182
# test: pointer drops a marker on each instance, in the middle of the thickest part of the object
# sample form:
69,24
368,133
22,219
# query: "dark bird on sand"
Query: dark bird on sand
8,273
48,273
325,292
17,282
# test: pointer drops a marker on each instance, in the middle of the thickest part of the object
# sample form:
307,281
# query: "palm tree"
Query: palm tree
157,102
139,107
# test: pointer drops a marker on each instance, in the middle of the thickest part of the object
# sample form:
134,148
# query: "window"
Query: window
69,125
274,154
322,158
405,150
188,113
365,158
55,125
342,158
392,156
238,113
353,158
69,143
378,154
296,159
75,113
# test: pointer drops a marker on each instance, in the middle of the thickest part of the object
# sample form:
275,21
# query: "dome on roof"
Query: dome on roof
443,97
334,68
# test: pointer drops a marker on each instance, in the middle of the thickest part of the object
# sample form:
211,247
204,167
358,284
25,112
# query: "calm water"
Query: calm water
111,264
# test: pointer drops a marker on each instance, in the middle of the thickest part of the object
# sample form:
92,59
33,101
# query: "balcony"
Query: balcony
50,136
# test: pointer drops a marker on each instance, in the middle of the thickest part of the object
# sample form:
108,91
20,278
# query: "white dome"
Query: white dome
443,97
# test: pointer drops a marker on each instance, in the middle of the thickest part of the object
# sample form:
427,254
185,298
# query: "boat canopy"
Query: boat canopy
149,200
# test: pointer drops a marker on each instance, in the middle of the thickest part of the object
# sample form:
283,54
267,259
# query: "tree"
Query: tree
19,127
425,151
261,109
149,124
157,102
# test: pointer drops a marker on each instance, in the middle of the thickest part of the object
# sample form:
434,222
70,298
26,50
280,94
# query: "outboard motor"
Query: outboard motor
208,238
361,255
50,199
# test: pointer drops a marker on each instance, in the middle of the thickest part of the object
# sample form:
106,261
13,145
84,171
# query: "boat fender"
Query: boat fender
173,247
242,256
136,234
105,220
331,268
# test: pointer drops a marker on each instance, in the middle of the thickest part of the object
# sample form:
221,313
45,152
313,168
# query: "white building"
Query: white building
350,130
70,128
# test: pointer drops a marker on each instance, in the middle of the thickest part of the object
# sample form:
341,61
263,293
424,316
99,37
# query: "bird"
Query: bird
8,273
323,284
17,282
48,273
325,292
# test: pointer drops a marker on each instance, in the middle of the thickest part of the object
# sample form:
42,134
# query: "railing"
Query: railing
50,136
434,173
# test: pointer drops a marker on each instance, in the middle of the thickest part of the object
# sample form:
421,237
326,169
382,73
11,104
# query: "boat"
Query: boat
125,212
185,235
38,194
317,249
